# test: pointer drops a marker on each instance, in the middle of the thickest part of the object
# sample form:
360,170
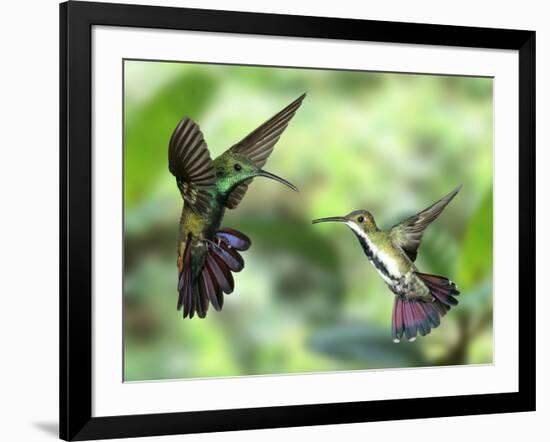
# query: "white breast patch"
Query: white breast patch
380,255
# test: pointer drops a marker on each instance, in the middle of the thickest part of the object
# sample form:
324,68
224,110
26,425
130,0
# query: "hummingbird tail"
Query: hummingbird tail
234,238
412,316
215,277
189,290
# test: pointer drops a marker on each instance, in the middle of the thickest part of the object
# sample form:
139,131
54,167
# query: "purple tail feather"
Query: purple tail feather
196,293
411,317
234,238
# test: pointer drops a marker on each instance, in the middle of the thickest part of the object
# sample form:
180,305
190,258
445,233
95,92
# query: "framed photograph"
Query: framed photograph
273,220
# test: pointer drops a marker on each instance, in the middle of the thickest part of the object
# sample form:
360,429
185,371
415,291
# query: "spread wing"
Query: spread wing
408,233
189,161
259,144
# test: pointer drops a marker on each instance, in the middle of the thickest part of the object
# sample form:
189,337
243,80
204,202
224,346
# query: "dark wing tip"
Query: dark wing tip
437,207
296,103
453,193
447,198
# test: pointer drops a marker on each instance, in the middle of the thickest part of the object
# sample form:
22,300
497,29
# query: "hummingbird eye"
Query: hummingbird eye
360,219
237,167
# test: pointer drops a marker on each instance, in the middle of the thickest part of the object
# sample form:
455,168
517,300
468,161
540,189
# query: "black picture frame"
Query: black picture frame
75,414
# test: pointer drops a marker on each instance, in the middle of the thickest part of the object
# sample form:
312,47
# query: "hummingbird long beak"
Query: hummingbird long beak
266,174
339,219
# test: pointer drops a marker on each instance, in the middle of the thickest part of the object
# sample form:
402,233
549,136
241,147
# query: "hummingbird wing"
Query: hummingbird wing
189,161
259,144
408,233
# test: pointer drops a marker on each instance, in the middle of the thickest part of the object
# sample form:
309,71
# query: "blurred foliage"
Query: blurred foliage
308,300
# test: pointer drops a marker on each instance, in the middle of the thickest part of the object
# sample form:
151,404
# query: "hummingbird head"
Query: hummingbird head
234,168
358,220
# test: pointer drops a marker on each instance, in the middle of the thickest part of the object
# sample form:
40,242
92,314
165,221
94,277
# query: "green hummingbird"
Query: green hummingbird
207,253
420,298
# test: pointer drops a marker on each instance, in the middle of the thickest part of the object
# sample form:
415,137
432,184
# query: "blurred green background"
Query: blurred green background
308,300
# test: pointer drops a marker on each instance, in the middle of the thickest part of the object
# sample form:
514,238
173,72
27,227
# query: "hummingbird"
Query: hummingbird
207,253
421,299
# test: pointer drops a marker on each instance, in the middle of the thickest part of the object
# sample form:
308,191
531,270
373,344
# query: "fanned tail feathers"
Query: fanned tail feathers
197,290
416,316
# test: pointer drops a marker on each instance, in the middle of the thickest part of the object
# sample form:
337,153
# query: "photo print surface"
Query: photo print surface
242,283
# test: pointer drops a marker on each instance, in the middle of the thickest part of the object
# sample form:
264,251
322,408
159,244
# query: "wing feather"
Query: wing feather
189,161
259,144
408,233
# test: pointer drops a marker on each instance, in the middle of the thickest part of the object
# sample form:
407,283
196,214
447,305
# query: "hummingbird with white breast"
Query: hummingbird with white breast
207,252
421,299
